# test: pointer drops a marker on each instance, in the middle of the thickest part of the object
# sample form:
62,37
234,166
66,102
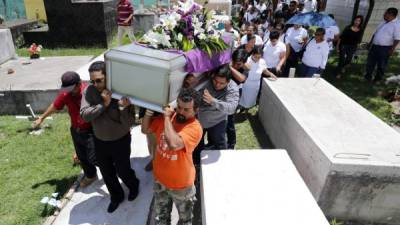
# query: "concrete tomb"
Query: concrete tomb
349,158
255,187
7,50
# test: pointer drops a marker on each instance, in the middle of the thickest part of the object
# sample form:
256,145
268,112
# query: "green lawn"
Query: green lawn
366,94
32,167
47,52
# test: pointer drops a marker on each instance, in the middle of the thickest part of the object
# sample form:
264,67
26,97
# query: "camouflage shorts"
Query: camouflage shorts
183,199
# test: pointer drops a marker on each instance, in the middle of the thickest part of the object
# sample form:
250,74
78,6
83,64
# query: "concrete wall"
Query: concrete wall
349,159
343,11
7,49
35,10
144,22
12,9
14,102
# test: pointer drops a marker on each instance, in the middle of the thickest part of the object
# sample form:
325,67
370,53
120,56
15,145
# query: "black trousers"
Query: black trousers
291,62
84,148
114,160
346,53
378,56
231,131
216,140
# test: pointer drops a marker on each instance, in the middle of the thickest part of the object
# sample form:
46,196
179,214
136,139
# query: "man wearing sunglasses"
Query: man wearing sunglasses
112,121
82,134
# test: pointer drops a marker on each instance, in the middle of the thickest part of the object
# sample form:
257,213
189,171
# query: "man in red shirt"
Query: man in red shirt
124,20
82,135
177,134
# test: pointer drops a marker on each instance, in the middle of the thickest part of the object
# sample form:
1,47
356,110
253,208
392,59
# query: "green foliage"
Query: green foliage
335,222
366,94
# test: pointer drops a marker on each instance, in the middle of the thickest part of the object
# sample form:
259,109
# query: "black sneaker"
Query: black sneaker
112,206
134,193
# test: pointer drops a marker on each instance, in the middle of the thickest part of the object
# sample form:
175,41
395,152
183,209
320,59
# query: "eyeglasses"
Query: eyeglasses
97,81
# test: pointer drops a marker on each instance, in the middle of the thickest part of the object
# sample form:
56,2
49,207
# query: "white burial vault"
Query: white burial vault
255,187
349,158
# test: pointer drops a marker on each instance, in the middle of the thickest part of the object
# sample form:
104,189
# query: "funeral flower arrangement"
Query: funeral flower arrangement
187,27
34,50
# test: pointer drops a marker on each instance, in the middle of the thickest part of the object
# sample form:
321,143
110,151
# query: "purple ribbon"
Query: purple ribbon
198,61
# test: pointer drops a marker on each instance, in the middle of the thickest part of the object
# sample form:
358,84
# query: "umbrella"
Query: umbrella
312,19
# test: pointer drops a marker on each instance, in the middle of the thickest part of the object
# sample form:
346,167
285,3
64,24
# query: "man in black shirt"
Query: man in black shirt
291,12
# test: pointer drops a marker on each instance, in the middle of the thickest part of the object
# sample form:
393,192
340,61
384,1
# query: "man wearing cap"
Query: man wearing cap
82,135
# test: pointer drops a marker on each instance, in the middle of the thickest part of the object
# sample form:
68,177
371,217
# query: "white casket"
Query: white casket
150,78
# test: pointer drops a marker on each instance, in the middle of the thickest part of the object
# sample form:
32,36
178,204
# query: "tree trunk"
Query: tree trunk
369,13
355,9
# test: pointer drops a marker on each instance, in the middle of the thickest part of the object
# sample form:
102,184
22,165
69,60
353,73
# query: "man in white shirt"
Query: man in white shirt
231,35
295,38
251,32
251,15
315,56
384,42
309,6
274,53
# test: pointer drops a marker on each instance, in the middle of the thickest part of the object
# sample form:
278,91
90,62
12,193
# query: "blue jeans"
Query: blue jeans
377,56
308,71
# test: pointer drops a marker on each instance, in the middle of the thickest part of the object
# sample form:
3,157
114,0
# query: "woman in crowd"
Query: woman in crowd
257,69
347,44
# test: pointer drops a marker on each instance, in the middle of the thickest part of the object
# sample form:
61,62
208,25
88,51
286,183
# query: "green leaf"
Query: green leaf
208,50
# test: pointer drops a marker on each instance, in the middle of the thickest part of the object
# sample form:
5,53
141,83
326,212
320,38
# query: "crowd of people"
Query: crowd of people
204,119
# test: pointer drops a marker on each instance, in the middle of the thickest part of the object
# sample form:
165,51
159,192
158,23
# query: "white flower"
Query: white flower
202,36
180,37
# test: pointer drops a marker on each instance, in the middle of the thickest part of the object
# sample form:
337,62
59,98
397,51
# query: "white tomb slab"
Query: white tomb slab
150,77
255,187
349,158
7,49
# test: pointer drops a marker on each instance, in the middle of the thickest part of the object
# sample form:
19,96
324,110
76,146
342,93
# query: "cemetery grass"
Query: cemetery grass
32,167
366,94
69,51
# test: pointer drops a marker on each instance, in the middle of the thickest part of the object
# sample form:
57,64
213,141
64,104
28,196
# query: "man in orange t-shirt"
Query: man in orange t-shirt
177,134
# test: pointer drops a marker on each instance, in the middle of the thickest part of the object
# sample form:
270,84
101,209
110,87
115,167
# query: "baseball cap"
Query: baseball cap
69,80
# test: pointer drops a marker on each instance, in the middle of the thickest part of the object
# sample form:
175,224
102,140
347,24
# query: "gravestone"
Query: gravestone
349,158
77,23
255,187
7,50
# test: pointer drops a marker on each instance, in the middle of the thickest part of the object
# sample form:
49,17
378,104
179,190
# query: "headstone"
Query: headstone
349,158
78,23
255,187
7,50
144,22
